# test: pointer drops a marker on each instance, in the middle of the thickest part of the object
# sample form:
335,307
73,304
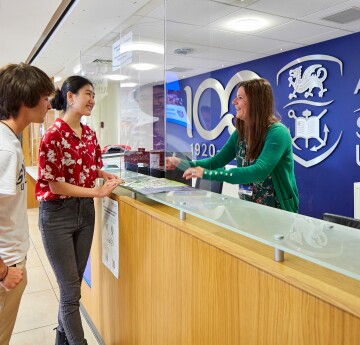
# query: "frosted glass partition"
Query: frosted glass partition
127,68
327,244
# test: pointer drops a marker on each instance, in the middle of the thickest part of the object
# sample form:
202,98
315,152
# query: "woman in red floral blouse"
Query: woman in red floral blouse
69,163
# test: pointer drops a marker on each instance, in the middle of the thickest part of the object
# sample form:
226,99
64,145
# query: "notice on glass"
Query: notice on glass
121,52
110,235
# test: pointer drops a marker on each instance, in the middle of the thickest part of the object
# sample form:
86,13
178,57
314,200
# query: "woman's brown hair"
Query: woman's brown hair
261,115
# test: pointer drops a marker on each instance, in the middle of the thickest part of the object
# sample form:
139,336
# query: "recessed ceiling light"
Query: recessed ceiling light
116,77
128,84
57,78
143,66
247,24
147,47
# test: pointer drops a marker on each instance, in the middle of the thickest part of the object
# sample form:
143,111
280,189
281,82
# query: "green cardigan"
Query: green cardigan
275,159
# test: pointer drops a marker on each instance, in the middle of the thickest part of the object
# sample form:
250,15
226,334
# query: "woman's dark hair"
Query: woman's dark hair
22,84
261,115
72,84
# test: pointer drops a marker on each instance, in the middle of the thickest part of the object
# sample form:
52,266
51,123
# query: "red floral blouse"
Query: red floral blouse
64,157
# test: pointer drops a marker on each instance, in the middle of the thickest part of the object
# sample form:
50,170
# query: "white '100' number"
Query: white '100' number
204,150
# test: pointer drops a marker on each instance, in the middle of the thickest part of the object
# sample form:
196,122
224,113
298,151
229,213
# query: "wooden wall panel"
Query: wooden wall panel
176,288
30,192
26,146
171,275
135,274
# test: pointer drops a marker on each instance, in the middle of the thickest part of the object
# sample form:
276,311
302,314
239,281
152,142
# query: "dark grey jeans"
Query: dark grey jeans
67,228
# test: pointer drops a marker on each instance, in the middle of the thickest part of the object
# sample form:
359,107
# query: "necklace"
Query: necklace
9,128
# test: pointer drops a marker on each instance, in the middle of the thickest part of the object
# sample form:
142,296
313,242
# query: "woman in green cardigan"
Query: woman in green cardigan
262,147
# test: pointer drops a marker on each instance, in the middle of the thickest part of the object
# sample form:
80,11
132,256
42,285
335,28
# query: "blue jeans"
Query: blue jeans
67,228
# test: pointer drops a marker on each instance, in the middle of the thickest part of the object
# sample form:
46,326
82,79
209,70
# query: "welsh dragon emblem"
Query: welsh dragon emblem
313,77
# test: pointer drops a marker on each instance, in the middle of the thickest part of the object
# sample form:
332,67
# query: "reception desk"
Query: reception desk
208,279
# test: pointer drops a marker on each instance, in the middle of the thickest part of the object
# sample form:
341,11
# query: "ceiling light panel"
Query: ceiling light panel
269,21
116,77
143,66
128,84
248,24
141,46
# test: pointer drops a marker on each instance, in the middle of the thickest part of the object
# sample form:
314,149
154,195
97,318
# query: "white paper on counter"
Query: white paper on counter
110,235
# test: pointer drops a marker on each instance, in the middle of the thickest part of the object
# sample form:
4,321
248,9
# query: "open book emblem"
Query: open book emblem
308,127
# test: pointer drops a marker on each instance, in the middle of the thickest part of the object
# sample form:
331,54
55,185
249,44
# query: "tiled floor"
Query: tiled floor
38,309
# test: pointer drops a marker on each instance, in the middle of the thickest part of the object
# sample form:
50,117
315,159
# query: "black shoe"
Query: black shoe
60,338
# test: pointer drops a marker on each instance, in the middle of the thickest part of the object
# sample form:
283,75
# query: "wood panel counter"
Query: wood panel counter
185,282
31,177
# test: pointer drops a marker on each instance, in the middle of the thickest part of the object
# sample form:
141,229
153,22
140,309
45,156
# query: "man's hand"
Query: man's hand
13,278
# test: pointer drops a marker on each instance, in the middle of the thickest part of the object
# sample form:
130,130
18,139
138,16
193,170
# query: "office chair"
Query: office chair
342,220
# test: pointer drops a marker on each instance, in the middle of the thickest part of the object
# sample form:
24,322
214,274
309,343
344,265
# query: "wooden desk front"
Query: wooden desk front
191,282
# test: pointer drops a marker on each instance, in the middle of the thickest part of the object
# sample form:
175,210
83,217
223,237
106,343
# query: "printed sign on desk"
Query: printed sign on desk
110,235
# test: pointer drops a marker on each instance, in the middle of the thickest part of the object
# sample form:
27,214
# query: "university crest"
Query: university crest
309,107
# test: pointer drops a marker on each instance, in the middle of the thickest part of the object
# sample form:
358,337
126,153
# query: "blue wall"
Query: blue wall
323,125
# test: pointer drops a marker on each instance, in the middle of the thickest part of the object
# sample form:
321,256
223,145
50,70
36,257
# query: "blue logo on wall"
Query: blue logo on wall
309,107
315,89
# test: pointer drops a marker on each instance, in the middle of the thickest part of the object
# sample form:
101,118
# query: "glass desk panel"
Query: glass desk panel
333,246
336,247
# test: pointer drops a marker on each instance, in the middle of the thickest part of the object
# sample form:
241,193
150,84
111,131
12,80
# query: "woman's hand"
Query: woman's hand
172,163
107,188
107,176
193,172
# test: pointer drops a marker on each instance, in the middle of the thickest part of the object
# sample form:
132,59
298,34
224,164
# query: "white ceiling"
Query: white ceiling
22,23
88,32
